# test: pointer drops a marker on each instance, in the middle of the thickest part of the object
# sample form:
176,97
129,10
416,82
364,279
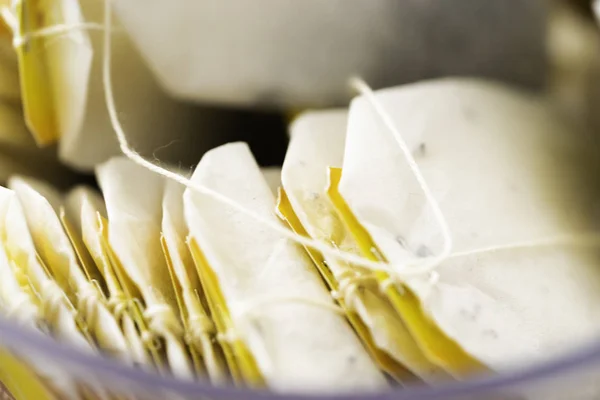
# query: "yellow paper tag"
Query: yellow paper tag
385,362
439,348
241,363
199,367
89,267
132,295
36,84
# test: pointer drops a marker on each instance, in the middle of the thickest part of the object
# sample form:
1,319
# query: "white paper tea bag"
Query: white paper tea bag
19,303
41,203
507,174
54,69
18,300
133,199
57,309
317,142
86,208
197,323
269,285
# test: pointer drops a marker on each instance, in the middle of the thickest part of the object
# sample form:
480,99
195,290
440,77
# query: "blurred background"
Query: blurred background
190,75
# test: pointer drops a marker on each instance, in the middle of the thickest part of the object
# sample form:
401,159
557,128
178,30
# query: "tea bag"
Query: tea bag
54,69
518,190
86,208
57,309
317,142
19,303
133,198
196,321
41,203
273,298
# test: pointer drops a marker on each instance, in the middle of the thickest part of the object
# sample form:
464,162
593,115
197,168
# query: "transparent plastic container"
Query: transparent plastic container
574,376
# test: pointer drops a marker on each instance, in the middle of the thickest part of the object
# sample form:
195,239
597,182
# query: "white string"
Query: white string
19,40
88,299
364,89
569,239
250,306
52,299
199,328
119,304
397,272
162,320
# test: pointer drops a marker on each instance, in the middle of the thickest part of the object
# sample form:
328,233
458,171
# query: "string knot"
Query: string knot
198,327
228,337
119,304
88,299
52,299
162,320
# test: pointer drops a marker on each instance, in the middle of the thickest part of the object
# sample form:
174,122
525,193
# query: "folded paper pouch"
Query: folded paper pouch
87,210
54,69
274,304
514,184
18,303
134,225
200,331
41,203
58,312
317,142
21,252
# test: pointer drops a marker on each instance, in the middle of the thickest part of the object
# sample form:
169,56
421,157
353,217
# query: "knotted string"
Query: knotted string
119,305
199,327
53,298
88,299
162,320
399,271
8,13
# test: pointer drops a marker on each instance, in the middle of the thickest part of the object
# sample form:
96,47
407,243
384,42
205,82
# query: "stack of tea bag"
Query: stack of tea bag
481,203
448,228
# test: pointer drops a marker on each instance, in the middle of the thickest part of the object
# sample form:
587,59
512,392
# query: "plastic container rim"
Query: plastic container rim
15,337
